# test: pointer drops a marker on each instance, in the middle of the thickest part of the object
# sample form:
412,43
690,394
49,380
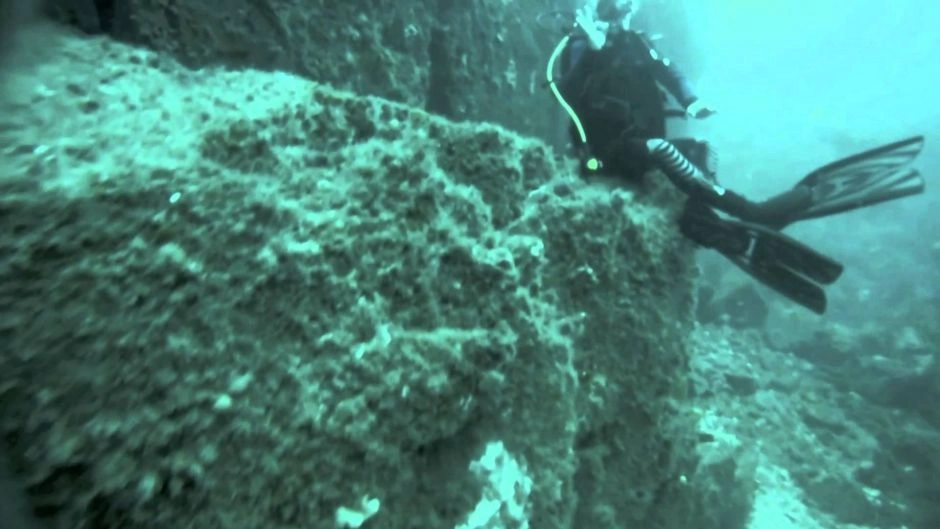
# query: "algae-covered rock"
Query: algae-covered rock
244,299
481,61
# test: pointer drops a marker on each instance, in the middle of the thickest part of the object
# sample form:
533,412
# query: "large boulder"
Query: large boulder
245,299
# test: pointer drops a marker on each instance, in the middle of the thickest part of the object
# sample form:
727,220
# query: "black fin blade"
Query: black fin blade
789,284
798,257
873,161
786,265
864,179
889,186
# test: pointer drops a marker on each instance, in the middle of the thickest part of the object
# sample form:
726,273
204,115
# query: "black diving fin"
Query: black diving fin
787,265
864,179
777,260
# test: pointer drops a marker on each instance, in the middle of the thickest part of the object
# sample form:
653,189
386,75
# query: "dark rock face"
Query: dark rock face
473,61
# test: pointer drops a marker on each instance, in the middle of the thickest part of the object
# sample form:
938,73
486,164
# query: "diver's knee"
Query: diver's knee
669,158
683,173
655,145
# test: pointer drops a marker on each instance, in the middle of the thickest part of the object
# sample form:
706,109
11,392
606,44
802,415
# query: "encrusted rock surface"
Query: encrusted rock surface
245,299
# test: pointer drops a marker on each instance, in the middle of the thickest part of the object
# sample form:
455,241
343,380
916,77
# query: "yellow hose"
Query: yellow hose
592,163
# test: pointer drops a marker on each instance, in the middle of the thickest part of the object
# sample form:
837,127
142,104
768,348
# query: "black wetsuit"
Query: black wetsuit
615,91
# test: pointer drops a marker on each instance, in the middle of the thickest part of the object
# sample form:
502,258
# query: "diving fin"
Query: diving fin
786,265
777,260
864,179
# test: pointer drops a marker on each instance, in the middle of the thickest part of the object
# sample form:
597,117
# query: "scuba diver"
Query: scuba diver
614,85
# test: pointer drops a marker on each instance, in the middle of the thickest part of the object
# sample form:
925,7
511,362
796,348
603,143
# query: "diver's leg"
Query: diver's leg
861,180
701,155
691,179
871,177
864,179
780,262
686,175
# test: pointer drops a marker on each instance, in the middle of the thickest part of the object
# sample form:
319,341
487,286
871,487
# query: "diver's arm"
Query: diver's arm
669,75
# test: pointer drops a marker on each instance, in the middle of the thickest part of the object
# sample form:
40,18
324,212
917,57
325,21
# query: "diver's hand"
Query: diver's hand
595,30
699,110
